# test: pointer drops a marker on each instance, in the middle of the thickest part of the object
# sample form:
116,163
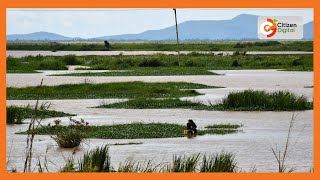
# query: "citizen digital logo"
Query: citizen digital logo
280,27
286,27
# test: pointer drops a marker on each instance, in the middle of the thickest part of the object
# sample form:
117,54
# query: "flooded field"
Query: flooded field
252,147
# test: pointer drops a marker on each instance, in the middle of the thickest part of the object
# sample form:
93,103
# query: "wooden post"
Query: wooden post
177,33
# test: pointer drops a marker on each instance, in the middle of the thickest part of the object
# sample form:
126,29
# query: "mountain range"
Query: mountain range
241,27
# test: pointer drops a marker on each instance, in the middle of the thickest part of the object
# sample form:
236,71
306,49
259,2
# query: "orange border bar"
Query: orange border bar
159,4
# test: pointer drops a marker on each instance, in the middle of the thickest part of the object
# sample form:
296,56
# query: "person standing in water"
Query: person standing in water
192,127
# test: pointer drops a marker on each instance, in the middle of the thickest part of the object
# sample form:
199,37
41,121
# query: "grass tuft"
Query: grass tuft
257,100
222,162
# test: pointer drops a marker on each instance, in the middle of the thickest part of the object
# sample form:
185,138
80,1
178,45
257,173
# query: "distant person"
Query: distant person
192,127
107,45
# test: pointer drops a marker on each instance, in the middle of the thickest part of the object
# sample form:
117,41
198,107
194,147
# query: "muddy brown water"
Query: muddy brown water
261,130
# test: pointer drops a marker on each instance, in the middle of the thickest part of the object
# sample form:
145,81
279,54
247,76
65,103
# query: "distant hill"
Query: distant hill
39,36
308,30
242,27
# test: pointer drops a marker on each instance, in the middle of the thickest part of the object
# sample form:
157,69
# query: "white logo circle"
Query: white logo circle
266,26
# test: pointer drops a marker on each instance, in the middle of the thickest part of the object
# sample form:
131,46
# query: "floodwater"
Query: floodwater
112,53
252,147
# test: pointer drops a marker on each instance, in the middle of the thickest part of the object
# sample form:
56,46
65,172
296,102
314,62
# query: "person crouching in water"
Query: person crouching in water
192,127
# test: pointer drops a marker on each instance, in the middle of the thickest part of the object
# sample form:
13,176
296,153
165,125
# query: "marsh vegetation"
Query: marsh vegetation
167,46
160,64
247,100
107,90
127,131
99,160
16,115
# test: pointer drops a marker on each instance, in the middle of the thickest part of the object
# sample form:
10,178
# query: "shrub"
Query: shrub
235,63
71,60
150,63
14,115
52,65
68,138
297,62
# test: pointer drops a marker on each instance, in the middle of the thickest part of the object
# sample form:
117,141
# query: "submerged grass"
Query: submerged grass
107,90
128,131
143,103
16,115
224,126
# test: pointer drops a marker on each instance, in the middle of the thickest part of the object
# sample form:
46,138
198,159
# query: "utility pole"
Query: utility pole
177,33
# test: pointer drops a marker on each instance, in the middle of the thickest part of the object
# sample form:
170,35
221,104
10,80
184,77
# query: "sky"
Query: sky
89,23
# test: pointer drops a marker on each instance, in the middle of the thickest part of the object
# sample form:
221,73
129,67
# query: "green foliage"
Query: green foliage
96,160
256,100
160,64
68,138
16,115
107,90
182,163
127,131
71,60
48,64
159,71
69,166
222,162
235,63
165,46
258,44
143,103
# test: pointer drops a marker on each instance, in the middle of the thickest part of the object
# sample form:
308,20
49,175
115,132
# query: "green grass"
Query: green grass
129,131
248,100
143,103
148,72
107,90
163,46
257,100
182,163
221,162
98,160
160,64
16,115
